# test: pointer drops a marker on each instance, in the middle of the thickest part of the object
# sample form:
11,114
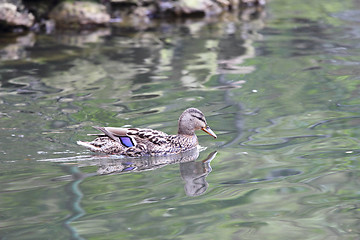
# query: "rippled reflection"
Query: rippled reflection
193,173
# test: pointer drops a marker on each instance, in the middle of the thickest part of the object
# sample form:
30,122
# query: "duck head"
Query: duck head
193,119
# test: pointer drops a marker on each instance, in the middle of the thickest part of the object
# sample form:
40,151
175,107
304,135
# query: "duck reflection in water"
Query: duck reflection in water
192,172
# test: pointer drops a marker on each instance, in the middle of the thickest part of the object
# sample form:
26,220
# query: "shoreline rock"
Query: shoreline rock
11,17
79,14
59,14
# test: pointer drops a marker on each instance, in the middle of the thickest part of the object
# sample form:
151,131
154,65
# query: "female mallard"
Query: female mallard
136,142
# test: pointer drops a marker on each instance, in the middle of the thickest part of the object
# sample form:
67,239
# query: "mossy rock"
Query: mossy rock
79,14
10,16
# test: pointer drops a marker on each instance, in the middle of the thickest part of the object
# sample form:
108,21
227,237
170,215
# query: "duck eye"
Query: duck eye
202,120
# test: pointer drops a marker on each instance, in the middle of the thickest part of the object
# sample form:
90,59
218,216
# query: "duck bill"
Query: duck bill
208,130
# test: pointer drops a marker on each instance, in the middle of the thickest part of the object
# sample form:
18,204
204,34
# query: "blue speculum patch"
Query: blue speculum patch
127,141
128,169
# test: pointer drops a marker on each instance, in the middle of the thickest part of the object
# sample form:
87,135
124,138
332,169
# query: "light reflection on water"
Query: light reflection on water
281,94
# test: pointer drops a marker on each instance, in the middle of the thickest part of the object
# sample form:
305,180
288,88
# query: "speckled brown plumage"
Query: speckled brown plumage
142,142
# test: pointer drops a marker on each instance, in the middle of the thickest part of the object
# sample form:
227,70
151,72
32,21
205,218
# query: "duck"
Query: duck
137,142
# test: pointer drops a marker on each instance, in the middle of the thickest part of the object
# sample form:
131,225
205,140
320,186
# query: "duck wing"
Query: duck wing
130,136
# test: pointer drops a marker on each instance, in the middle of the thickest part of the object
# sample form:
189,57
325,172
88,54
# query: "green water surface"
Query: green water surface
280,88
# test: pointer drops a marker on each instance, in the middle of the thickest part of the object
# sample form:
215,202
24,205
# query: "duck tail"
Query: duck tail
89,146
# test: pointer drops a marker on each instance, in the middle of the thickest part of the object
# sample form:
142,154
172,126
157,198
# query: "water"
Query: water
280,89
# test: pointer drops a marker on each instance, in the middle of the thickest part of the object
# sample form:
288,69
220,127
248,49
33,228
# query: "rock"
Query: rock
251,3
193,7
10,17
79,14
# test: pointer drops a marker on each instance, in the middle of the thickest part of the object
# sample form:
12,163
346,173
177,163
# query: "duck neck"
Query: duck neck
185,129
